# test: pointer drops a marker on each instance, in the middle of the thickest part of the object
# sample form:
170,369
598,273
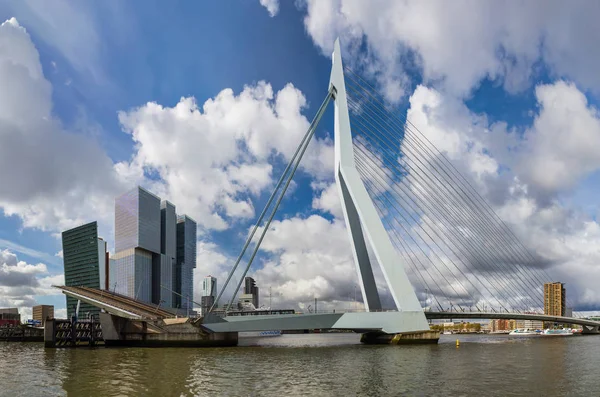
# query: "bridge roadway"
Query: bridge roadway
511,316
386,321
365,321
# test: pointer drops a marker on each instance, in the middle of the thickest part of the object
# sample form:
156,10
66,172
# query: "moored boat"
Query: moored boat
557,332
523,332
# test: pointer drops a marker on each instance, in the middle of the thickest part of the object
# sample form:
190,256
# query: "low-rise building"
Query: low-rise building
10,316
42,313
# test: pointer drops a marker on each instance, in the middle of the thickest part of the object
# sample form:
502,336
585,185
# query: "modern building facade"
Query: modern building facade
186,261
85,261
154,254
209,293
250,288
555,299
168,251
42,312
137,244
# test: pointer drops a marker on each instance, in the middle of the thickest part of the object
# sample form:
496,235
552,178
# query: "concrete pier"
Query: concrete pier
404,338
173,332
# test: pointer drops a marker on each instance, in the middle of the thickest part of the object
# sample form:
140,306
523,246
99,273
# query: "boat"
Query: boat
557,332
447,333
259,334
523,332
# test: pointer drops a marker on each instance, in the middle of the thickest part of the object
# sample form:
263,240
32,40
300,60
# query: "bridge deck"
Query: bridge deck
511,316
117,304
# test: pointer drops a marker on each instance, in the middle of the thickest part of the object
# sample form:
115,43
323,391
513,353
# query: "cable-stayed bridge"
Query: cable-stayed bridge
407,207
412,216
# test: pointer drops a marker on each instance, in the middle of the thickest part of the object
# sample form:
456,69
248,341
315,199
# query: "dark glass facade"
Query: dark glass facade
82,264
186,261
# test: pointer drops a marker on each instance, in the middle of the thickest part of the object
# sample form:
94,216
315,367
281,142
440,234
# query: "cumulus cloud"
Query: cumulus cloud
540,164
22,282
56,178
560,148
209,159
456,45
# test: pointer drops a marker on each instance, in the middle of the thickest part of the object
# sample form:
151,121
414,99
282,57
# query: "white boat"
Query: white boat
557,332
523,332
447,333
258,334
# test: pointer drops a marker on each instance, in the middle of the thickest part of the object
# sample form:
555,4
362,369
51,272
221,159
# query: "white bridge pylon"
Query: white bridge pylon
362,220
360,214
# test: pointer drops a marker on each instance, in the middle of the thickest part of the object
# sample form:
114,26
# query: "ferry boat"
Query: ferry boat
523,332
558,332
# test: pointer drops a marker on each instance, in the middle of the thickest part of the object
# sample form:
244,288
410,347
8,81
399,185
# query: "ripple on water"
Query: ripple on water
321,365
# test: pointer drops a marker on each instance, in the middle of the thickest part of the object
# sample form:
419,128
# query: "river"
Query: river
311,365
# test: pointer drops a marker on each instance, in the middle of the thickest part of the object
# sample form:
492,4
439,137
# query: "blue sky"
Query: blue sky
105,61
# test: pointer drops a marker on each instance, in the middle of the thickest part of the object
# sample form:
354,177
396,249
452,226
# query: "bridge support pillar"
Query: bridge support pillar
587,329
402,338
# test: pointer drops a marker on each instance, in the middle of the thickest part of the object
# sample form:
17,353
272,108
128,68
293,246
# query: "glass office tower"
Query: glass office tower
137,244
186,260
155,250
84,257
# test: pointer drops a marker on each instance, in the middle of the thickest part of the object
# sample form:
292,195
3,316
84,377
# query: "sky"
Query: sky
204,103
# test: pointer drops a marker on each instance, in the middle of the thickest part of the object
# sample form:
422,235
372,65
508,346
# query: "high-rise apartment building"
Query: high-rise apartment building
85,260
209,293
555,299
42,312
186,260
250,288
155,255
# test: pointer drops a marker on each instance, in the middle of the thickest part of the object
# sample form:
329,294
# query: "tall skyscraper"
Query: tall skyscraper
155,250
209,293
555,299
186,260
137,244
168,250
84,257
250,288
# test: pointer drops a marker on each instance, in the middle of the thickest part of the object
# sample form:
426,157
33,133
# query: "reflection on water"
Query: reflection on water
320,365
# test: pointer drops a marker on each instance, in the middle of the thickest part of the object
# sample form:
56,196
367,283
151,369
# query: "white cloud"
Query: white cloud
329,200
458,44
57,178
311,258
272,6
21,282
561,147
210,158
539,164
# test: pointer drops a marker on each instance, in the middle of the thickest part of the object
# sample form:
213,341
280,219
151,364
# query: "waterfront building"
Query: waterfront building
42,312
250,288
186,261
155,250
530,324
10,316
502,325
555,299
209,293
85,259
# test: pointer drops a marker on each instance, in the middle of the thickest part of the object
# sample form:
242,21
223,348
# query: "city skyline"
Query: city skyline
215,140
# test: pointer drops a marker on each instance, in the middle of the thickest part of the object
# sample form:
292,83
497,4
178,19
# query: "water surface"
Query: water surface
312,365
